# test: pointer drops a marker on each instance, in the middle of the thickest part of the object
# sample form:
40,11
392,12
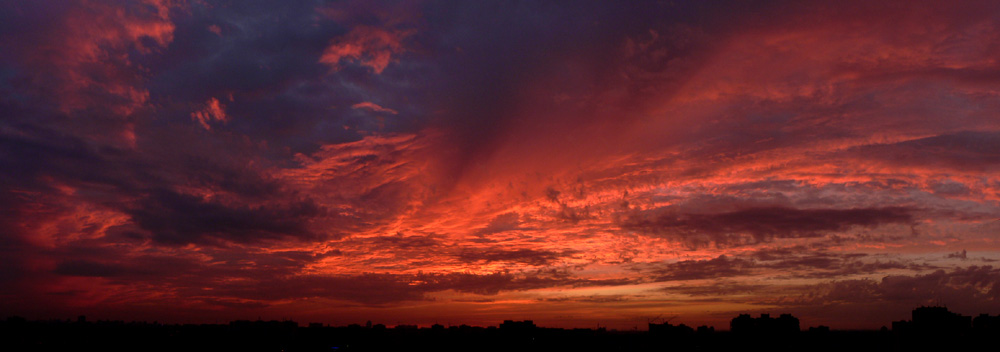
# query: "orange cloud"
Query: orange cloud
213,111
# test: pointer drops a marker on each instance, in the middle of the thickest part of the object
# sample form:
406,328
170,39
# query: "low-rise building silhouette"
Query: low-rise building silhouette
986,322
745,324
666,328
933,320
511,325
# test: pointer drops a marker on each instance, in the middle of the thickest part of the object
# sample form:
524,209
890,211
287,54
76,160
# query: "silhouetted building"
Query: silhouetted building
742,323
986,322
822,329
745,324
511,325
263,325
934,320
936,328
670,330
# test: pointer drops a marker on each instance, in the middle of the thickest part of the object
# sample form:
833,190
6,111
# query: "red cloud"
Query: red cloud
213,110
373,107
566,167
84,58
369,46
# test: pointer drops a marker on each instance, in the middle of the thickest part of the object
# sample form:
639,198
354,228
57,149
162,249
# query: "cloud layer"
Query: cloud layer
471,162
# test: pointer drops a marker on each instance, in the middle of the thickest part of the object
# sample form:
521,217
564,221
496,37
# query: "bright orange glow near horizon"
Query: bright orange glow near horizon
465,163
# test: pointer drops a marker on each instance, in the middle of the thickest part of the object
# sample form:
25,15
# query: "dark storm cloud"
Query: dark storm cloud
33,152
968,288
787,262
125,180
857,267
804,263
88,268
179,219
719,267
866,302
114,265
970,151
754,225
263,64
45,147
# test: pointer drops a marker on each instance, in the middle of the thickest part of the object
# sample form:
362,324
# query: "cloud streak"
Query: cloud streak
754,225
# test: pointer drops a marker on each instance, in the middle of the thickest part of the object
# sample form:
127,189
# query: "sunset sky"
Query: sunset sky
463,162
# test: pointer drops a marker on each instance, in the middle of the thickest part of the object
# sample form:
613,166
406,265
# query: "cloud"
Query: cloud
123,268
501,223
204,221
719,267
720,288
968,151
249,286
781,263
494,283
87,268
754,225
83,53
738,152
213,110
961,288
527,256
372,182
368,289
373,107
958,255
401,241
372,47
593,299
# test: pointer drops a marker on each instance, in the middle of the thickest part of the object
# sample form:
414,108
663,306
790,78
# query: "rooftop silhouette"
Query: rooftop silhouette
930,326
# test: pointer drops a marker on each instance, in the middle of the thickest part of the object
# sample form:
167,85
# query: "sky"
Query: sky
579,163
